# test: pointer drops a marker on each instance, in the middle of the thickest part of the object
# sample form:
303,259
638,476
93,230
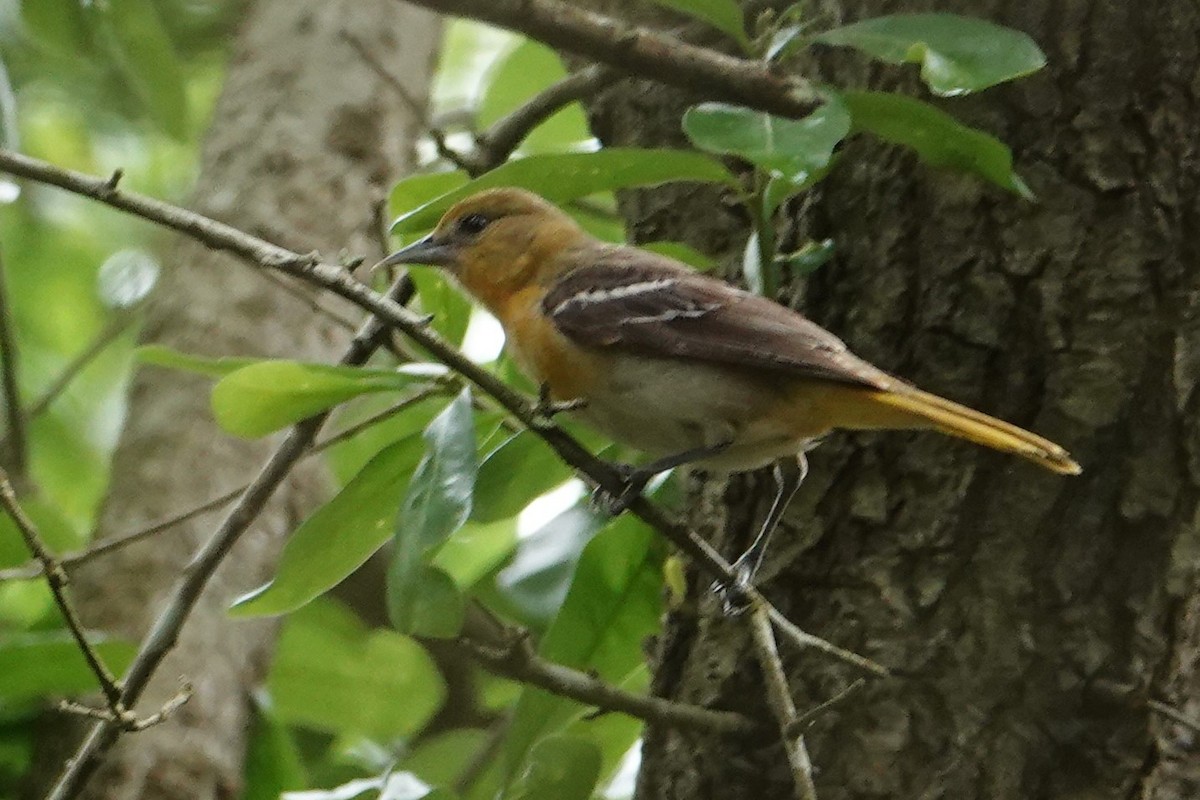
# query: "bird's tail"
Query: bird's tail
924,410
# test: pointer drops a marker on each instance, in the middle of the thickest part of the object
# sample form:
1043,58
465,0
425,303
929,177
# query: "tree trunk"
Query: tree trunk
305,140
1033,620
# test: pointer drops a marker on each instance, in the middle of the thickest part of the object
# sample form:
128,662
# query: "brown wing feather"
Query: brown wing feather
634,300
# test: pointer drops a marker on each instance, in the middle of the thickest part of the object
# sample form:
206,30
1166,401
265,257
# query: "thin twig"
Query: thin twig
639,51
18,442
809,717
494,146
165,632
779,699
345,323
118,325
516,659
1175,715
57,579
70,561
475,768
130,724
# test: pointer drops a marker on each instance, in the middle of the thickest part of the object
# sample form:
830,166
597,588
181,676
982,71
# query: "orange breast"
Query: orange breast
542,352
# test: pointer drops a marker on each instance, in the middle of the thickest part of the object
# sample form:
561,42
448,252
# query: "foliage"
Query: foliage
457,492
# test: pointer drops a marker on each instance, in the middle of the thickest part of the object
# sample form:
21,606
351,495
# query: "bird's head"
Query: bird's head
497,242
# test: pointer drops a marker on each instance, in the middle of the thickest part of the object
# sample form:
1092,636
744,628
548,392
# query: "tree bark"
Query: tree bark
1030,618
305,140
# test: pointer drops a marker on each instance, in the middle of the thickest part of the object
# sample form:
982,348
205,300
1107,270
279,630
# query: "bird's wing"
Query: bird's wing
637,301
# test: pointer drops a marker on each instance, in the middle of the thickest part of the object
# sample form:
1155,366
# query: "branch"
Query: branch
165,631
516,659
57,579
122,322
779,698
18,442
642,52
258,252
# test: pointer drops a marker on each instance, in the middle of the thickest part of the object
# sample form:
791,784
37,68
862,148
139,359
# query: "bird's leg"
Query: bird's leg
635,478
788,477
547,407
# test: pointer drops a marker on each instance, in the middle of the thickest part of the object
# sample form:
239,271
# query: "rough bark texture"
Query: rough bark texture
305,140
1031,616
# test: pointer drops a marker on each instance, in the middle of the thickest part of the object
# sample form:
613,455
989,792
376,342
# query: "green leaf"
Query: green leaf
795,149
558,768
56,531
518,76
437,504
724,15
58,24
37,664
614,602
450,309
338,537
809,258
957,54
262,398
476,549
331,674
537,580
162,356
567,176
417,190
938,138
273,760
515,474
142,51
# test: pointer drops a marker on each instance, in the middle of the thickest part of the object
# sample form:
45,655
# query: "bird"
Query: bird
682,366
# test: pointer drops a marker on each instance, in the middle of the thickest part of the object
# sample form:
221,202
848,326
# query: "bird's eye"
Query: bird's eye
472,224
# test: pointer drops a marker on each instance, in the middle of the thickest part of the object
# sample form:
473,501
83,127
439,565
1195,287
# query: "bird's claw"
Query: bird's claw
633,481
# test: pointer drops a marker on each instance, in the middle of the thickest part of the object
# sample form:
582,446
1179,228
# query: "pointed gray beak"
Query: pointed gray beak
424,251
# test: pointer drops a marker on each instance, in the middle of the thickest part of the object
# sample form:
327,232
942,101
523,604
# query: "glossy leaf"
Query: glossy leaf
417,190
476,549
518,76
809,258
613,603
339,537
270,395
158,355
437,504
724,15
794,149
558,768
567,176
38,664
516,473
332,674
938,138
957,54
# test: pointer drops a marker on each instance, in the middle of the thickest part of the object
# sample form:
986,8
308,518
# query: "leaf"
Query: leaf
338,537
957,54
724,15
264,397
437,504
331,674
537,580
514,475
450,309
476,549
558,768
794,149
613,604
417,190
143,53
938,138
37,664
162,356
567,176
390,786
273,760
809,258
518,76
58,24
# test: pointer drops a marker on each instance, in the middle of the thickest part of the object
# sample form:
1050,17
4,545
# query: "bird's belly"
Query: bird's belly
665,406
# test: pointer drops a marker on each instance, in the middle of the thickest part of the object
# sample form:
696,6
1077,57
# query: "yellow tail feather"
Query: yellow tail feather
926,410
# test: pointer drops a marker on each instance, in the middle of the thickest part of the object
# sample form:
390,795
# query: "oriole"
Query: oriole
670,361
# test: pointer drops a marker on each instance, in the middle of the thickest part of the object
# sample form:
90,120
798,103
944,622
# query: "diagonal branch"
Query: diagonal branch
642,52
17,440
116,327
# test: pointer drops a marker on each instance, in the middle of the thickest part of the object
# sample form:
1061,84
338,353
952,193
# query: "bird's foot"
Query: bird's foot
547,407
633,481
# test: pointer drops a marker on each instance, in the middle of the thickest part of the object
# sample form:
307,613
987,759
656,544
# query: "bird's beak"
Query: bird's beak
424,251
